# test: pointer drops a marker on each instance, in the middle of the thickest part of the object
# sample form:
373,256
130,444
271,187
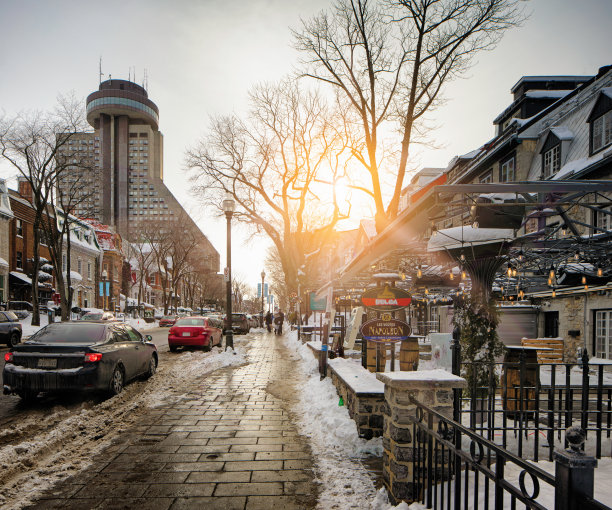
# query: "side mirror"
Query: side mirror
148,338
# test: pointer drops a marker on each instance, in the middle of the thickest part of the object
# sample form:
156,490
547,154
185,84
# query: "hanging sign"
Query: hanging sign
390,330
386,299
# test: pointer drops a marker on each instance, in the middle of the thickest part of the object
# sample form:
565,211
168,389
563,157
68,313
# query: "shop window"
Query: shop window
19,227
19,261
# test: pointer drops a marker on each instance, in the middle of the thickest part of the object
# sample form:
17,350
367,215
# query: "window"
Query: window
603,334
551,324
79,266
601,131
602,220
486,177
506,170
551,161
89,270
19,262
19,227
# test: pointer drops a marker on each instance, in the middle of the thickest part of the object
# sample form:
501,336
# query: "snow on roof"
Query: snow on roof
74,276
554,94
550,78
3,263
562,133
577,165
22,276
471,154
456,237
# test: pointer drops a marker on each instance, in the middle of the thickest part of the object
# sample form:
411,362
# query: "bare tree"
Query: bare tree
272,164
31,143
388,61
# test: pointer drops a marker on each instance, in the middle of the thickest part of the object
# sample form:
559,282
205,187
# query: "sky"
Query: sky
203,56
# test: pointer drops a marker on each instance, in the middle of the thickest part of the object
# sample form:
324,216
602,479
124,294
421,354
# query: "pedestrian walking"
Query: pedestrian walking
268,321
278,322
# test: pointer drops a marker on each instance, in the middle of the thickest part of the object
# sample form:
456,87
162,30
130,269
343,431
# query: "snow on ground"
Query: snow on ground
61,442
336,447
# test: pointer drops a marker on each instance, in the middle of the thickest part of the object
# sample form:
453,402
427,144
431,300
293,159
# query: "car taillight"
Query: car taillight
8,357
92,357
171,331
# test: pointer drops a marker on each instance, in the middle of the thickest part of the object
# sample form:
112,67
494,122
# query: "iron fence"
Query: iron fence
455,467
525,407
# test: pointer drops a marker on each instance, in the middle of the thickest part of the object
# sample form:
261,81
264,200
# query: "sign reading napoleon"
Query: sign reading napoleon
386,299
385,330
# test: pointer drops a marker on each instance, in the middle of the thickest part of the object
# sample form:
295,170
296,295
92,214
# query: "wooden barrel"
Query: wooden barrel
409,354
373,348
511,379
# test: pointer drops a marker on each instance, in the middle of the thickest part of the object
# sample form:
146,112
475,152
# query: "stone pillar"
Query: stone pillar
434,388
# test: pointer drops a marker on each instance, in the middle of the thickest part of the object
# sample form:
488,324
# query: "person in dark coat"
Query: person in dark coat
268,320
278,322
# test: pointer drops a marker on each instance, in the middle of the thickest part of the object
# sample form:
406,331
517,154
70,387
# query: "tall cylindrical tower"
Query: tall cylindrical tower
130,146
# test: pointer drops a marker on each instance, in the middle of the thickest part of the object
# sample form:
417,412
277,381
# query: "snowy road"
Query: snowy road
57,436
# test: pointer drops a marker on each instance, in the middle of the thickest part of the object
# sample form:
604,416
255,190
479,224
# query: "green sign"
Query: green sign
317,305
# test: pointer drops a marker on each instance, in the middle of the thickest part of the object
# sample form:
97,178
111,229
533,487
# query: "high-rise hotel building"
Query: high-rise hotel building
122,182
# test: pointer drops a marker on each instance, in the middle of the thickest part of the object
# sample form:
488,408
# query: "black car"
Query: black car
78,356
10,329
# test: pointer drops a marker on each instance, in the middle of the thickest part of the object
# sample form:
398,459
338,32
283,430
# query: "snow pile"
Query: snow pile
336,447
141,324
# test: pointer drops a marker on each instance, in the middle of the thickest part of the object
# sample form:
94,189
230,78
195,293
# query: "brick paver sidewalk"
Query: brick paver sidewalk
229,444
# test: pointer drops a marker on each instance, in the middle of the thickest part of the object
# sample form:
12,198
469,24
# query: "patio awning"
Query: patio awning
25,279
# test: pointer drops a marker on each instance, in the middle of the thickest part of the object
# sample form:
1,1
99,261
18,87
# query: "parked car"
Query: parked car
253,321
204,332
98,316
240,323
10,328
78,356
168,320
22,309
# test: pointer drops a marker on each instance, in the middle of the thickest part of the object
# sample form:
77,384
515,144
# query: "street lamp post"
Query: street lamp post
104,290
228,208
263,277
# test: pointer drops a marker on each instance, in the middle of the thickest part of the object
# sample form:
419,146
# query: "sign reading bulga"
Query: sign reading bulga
389,330
386,299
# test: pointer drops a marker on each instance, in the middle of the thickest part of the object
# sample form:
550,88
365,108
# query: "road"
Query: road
12,409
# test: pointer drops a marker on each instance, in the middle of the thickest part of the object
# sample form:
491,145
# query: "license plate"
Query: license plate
186,333
47,363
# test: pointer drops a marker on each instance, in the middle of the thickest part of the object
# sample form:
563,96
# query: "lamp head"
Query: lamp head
229,205
263,275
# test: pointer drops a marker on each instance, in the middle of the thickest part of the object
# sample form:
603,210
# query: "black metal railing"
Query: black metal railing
457,468
525,407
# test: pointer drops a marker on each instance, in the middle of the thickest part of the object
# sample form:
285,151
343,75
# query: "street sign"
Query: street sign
390,330
386,299
226,274
318,305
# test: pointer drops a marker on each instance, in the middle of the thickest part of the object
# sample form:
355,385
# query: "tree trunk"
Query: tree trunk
36,264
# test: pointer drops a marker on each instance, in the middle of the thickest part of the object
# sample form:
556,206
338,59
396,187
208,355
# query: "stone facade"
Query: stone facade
6,214
432,388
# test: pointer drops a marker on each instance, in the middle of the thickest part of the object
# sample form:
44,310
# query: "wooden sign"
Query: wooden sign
390,330
386,299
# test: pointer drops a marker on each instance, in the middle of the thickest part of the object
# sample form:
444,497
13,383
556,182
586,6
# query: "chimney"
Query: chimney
25,189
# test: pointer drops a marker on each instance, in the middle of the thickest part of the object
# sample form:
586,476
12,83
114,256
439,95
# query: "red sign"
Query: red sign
386,299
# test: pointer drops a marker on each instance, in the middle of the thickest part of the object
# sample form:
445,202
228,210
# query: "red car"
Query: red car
168,320
203,332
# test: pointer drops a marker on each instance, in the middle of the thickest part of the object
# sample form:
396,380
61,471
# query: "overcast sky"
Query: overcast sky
202,56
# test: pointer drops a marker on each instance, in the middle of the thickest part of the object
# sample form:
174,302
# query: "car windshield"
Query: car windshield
169,317
238,316
91,317
70,333
11,316
189,321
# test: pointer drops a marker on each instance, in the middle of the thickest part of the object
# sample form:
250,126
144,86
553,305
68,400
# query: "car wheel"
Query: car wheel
206,348
13,340
152,368
28,396
173,348
117,381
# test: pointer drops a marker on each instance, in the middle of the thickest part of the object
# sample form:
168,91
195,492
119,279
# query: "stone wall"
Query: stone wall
432,388
365,408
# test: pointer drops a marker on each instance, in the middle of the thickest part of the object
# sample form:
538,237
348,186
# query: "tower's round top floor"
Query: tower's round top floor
121,97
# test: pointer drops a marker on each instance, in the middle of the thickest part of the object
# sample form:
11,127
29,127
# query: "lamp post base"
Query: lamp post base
229,339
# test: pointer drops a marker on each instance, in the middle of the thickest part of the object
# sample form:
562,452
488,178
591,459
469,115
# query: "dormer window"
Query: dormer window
506,170
601,131
600,121
551,161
